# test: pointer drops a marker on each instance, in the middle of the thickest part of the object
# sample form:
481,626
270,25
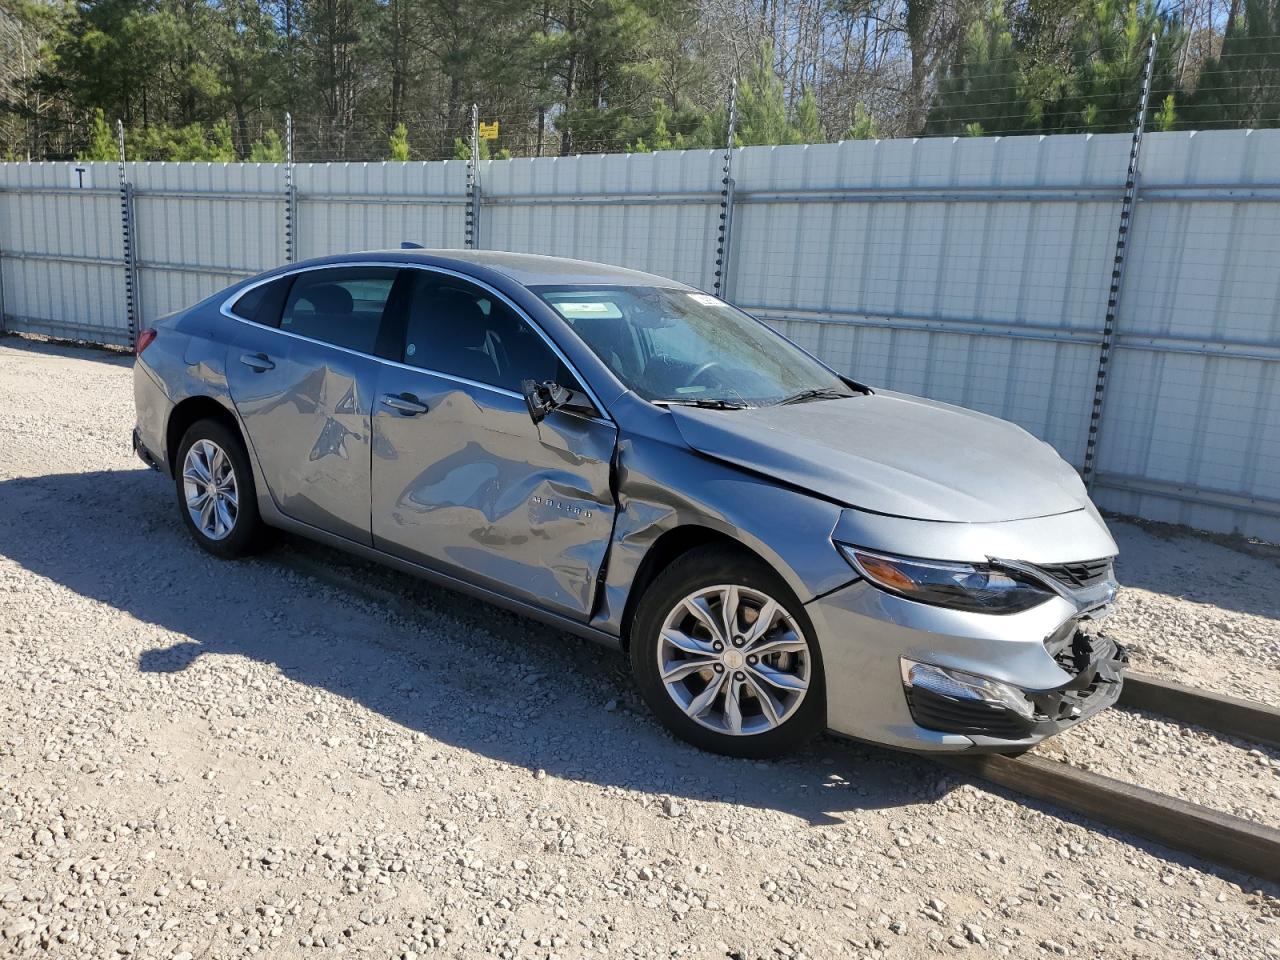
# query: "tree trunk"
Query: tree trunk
242,128
570,78
1232,13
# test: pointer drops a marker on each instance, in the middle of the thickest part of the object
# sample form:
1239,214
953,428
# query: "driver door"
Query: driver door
463,480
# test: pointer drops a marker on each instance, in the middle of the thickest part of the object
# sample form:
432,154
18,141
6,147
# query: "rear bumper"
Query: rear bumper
145,455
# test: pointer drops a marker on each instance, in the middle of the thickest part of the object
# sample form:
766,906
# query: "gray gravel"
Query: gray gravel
1200,612
206,759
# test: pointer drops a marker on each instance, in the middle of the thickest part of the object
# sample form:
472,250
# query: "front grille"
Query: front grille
1084,573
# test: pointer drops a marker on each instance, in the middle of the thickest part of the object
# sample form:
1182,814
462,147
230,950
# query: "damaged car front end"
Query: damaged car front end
977,669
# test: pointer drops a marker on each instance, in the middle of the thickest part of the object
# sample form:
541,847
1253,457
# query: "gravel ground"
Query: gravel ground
207,759
1199,612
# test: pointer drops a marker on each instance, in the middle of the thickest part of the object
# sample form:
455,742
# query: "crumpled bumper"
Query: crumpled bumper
1056,669
1096,664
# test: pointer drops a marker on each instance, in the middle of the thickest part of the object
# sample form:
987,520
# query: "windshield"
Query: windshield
680,346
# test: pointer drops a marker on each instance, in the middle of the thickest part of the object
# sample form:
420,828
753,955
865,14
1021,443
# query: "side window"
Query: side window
462,330
341,305
263,303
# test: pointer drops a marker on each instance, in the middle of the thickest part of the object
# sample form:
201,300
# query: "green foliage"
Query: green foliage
979,94
398,143
863,125
102,140
762,109
1241,86
198,78
1014,78
269,149
462,150
193,142
763,117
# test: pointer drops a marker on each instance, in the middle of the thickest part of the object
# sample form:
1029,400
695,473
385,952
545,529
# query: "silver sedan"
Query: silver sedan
778,548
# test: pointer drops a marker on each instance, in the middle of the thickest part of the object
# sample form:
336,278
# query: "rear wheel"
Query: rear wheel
725,657
215,490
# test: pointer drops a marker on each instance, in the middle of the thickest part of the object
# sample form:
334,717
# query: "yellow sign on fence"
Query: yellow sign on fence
489,131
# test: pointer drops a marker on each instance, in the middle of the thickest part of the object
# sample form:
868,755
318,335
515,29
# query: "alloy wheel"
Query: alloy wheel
210,489
734,660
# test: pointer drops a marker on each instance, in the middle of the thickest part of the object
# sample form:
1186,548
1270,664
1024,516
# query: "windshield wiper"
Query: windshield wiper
706,403
816,393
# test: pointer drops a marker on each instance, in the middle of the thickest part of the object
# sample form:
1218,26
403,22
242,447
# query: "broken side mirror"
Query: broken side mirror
542,398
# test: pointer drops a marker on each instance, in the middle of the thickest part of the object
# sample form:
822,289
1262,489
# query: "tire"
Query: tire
243,534
713,576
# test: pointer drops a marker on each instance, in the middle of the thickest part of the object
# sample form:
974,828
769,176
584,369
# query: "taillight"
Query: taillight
144,340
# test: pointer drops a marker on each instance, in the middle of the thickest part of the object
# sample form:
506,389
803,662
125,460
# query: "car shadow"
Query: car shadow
459,671
456,670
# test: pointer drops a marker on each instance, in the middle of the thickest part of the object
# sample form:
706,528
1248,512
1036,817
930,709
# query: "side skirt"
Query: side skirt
273,517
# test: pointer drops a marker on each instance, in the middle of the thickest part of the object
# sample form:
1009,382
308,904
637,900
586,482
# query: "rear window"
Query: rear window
262,304
342,306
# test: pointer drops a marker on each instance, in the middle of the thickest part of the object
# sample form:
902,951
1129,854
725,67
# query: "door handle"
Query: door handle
257,361
406,403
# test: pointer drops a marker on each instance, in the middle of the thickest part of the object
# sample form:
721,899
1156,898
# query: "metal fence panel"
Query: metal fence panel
202,227
1191,429
61,251
649,211
377,206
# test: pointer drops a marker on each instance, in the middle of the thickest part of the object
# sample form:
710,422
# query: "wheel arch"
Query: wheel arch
669,546
189,411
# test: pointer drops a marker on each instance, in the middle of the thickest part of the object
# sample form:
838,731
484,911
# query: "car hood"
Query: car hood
893,454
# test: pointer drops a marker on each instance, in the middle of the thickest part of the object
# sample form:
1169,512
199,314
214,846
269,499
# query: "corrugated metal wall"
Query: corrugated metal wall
1191,427
61,250
650,211
974,271
375,206
201,227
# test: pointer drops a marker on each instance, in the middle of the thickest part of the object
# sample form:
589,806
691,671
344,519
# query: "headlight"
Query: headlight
979,588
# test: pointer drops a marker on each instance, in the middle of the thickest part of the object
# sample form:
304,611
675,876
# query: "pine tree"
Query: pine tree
102,140
398,143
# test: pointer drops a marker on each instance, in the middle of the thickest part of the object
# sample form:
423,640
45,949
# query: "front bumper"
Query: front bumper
1097,663
1051,655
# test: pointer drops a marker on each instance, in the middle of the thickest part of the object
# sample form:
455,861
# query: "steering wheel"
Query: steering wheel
709,365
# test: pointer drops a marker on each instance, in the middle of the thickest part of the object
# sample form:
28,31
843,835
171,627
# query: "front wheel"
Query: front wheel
725,656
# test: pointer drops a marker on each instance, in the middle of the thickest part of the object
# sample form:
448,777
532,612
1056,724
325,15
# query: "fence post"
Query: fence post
1123,234
2,320
723,250
133,305
473,182
290,195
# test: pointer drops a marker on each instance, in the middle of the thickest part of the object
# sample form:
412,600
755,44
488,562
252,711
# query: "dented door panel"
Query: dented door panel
472,487
307,418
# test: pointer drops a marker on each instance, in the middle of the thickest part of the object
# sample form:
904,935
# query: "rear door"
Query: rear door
463,480
303,382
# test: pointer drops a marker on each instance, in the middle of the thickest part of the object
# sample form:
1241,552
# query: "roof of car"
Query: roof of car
531,269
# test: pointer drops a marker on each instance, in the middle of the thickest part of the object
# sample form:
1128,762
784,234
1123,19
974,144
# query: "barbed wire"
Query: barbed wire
1236,97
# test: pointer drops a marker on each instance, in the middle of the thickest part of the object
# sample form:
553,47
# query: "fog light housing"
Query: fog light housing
959,685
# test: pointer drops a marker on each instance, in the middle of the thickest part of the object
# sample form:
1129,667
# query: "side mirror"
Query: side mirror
542,398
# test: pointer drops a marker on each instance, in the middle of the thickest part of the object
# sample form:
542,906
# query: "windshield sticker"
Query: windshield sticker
583,308
705,299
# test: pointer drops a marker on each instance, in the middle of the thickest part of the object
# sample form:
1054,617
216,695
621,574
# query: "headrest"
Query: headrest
458,318
329,298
